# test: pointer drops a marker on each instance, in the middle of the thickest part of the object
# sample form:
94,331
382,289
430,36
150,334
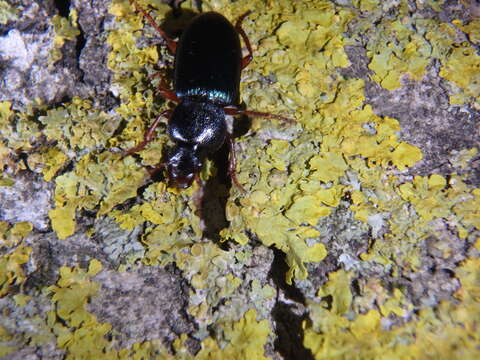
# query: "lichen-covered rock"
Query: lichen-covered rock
359,232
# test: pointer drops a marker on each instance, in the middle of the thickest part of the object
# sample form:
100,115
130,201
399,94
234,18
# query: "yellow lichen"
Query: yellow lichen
296,177
245,340
430,334
14,255
65,29
463,69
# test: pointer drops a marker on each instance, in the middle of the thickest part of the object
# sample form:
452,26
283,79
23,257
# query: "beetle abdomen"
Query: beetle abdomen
208,60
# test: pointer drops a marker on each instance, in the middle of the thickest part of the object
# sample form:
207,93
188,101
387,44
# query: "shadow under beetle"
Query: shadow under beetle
208,63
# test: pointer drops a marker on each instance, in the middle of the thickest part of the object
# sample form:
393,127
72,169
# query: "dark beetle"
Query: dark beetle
208,62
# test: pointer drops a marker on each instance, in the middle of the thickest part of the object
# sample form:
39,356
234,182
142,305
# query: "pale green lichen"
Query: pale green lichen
78,126
13,256
65,29
450,331
7,13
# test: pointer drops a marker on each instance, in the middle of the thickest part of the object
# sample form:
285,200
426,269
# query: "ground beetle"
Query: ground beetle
208,62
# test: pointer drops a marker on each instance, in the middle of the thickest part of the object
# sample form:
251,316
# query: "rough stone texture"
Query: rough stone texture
29,199
27,73
25,48
429,121
145,303
49,254
25,320
92,48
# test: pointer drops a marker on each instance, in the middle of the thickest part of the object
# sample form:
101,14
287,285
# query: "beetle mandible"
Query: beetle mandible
208,63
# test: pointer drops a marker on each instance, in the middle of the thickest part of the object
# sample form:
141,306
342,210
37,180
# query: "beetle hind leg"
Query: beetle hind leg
238,26
232,164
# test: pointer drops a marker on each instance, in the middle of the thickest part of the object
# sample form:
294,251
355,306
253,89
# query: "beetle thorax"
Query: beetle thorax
198,123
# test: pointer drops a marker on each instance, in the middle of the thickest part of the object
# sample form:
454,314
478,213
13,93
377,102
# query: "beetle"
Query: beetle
207,69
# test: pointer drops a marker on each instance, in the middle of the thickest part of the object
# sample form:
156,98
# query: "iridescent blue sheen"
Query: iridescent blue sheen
211,95
208,60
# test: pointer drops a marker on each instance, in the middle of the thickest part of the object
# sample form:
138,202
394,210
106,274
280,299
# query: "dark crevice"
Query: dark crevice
217,189
23,157
63,7
277,273
289,331
64,101
129,203
241,125
81,41
121,126
192,344
288,324
215,196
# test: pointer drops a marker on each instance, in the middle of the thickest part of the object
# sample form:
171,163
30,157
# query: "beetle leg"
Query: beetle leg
165,92
198,195
235,111
232,164
168,94
238,26
171,44
153,170
163,89
149,134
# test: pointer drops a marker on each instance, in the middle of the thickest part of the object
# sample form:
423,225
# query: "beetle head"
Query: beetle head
182,165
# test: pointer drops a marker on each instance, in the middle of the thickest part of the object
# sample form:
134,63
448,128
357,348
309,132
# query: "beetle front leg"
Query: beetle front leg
149,134
171,44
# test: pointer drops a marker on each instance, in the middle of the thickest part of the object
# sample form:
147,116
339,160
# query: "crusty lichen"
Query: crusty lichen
65,29
7,13
450,330
14,254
